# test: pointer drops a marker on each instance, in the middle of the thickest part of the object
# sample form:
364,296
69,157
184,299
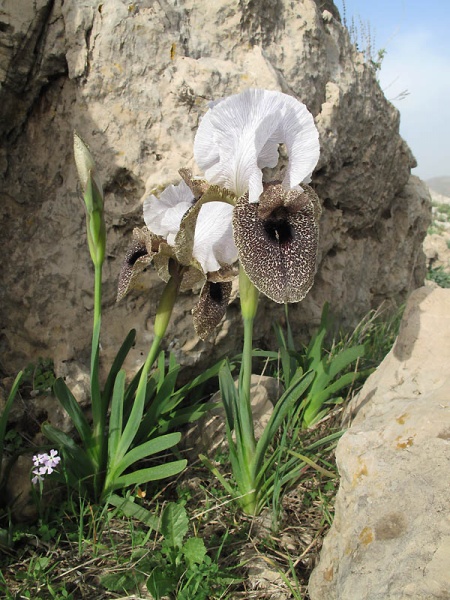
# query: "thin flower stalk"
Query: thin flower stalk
249,304
162,319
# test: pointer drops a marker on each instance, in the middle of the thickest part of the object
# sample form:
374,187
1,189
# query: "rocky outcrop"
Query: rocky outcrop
134,79
32,56
437,251
390,538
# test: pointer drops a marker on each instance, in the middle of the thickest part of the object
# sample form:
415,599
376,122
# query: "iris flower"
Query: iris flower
201,227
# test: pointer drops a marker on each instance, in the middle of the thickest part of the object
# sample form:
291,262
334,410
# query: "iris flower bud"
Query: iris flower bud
93,199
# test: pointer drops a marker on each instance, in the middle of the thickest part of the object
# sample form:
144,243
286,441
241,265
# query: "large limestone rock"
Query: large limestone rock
391,534
134,79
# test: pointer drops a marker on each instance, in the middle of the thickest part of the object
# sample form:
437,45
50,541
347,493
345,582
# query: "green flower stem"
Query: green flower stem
162,318
134,420
244,389
97,312
249,305
99,410
166,303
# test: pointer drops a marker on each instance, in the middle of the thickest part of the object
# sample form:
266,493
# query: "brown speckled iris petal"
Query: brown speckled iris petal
211,307
277,240
137,258
225,273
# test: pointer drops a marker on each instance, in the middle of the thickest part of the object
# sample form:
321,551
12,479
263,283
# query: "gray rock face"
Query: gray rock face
134,80
32,55
391,534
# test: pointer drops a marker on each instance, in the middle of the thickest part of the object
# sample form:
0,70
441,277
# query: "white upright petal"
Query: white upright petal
163,215
239,136
300,135
214,245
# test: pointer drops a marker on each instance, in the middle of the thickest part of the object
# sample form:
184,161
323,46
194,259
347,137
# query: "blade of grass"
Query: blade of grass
151,474
292,394
73,409
116,416
118,362
313,464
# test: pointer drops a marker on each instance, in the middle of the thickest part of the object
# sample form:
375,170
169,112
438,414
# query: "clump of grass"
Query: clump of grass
440,216
440,276
378,331
38,377
442,208
436,228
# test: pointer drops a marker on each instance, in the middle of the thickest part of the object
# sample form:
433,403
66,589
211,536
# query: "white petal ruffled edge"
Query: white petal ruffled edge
240,134
163,215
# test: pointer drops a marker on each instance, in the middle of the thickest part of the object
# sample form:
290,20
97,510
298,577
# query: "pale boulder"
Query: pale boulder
391,534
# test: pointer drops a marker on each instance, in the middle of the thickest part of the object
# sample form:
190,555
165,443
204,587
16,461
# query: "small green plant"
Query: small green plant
176,556
13,441
37,581
442,208
435,227
440,276
440,218
330,367
38,377
180,568
330,373
313,381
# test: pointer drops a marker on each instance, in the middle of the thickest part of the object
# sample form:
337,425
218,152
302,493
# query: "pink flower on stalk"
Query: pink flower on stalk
44,464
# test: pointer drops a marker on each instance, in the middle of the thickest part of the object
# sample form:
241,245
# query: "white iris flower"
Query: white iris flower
206,225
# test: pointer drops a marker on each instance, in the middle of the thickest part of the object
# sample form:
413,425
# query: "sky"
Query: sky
415,70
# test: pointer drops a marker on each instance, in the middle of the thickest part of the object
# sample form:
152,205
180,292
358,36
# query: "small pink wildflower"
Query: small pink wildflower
44,464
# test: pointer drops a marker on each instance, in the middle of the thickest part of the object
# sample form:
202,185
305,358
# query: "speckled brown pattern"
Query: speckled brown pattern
137,258
277,241
211,307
